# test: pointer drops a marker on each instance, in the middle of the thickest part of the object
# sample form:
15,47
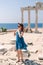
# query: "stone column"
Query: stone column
22,20
36,22
29,20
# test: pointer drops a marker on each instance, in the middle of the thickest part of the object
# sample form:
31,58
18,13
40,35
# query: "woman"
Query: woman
20,44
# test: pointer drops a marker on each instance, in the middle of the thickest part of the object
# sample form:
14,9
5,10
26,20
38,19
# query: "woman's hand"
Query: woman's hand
22,33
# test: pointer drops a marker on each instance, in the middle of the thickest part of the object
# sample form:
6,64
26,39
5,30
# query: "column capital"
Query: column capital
22,9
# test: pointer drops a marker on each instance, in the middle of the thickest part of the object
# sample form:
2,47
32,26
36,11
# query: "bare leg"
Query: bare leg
18,52
21,54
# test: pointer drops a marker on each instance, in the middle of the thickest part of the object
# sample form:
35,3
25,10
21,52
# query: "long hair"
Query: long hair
22,26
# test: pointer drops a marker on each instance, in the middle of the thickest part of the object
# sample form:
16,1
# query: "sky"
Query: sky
10,11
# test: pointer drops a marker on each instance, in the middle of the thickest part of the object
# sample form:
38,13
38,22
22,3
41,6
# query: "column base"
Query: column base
30,31
36,31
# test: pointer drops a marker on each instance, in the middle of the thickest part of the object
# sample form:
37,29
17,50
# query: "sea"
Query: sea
15,25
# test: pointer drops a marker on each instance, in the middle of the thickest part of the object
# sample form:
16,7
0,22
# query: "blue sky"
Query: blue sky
10,11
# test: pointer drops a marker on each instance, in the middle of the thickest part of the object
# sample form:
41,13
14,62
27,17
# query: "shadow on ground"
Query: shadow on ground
30,62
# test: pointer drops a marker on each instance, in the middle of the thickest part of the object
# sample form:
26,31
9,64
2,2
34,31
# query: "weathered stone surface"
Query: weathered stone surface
3,51
13,42
26,53
32,49
40,57
30,43
3,57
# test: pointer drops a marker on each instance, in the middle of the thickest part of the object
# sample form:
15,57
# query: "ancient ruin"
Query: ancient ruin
39,6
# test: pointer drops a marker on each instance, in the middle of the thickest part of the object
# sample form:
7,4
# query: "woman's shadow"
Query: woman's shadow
30,62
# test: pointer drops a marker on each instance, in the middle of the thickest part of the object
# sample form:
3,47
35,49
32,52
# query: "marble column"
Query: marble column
29,20
22,20
36,22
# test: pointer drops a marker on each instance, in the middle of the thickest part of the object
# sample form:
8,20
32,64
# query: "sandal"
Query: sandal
22,60
18,61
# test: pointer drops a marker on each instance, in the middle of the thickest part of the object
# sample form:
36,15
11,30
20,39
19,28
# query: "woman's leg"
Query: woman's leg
18,53
21,54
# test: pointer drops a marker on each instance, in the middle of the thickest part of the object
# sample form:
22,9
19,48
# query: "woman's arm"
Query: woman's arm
20,34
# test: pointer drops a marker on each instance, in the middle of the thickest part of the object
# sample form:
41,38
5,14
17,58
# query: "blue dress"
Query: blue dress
20,44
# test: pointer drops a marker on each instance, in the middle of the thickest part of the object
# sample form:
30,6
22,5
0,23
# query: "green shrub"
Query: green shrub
4,29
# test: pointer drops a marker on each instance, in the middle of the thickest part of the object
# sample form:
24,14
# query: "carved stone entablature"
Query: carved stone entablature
39,4
22,9
33,6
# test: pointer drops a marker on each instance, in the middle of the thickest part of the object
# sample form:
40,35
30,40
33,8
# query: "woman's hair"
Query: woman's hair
22,26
